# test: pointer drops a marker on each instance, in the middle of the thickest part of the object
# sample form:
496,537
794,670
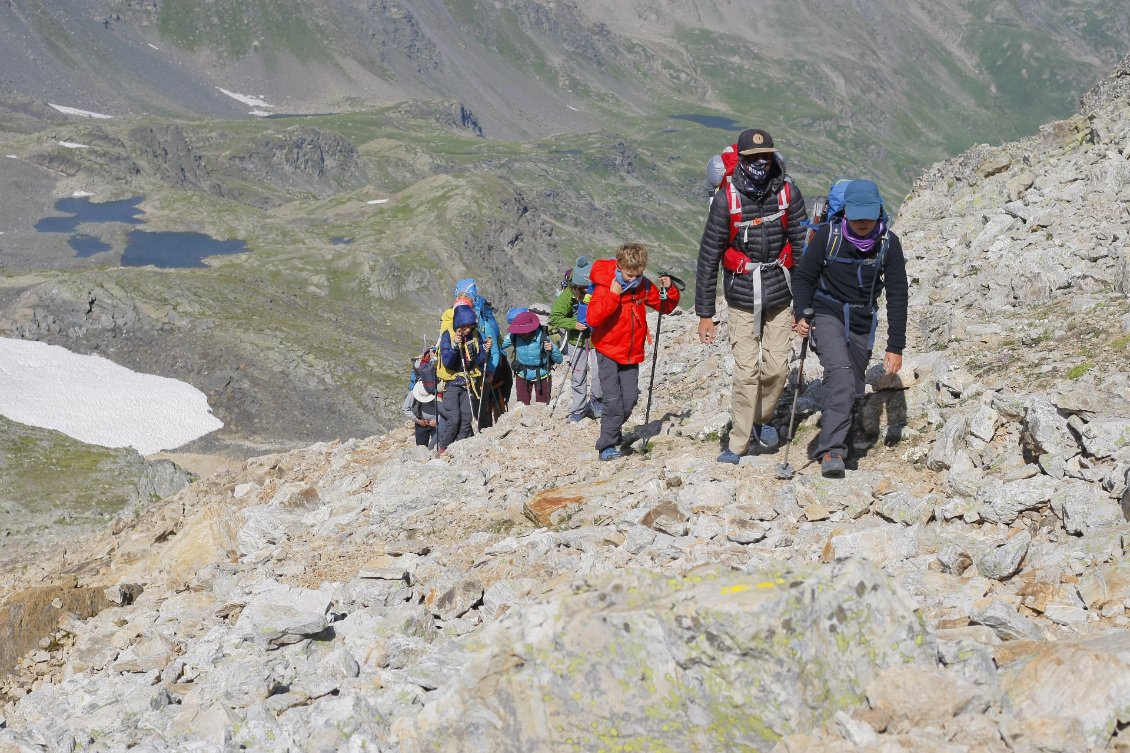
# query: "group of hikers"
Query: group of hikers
782,275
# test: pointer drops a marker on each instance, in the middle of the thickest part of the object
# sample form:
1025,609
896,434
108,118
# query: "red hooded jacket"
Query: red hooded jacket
619,322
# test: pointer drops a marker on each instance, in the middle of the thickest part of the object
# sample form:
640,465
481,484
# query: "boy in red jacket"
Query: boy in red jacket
618,321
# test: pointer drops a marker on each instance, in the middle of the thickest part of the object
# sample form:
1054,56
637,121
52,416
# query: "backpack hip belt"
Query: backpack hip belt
754,269
872,311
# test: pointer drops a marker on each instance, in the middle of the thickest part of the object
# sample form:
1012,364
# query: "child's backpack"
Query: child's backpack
583,305
424,371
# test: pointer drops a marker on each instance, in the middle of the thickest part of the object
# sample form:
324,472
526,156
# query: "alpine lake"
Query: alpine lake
181,249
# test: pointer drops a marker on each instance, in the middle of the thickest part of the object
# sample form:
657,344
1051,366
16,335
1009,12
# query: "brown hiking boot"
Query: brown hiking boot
832,465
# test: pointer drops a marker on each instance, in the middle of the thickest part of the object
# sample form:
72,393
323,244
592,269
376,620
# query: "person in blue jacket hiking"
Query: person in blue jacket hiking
534,355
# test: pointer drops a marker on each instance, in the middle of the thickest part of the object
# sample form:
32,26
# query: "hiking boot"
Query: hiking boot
611,453
576,417
767,435
832,465
596,408
729,456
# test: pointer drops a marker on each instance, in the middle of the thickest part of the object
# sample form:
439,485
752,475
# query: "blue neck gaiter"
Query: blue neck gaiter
627,286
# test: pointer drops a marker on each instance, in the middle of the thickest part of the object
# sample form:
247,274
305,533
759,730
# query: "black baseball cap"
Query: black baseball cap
755,141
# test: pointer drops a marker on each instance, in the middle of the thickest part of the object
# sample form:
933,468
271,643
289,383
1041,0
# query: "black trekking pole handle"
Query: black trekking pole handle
678,284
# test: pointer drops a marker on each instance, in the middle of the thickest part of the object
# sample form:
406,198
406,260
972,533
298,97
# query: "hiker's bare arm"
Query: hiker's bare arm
706,330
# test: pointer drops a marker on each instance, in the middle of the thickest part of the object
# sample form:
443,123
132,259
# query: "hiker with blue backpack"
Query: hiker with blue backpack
756,220
847,265
568,314
534,355
496,376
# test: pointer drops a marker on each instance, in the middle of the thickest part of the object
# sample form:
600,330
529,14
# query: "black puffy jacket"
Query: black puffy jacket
764,245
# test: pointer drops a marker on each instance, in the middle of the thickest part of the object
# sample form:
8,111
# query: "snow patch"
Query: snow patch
574,109
245,98
259,113
153,46
82,194
97,401
377,201
12,156
80,113
73,145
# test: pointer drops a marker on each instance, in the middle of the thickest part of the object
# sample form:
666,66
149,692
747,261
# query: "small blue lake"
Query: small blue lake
82,209
175,250
161,249
712,121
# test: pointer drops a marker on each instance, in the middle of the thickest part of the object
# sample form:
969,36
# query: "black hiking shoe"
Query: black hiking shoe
832,465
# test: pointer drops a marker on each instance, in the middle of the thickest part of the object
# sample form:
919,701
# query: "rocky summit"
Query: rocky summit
963,589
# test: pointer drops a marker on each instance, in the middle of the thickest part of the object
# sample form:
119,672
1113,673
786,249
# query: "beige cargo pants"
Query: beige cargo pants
760,368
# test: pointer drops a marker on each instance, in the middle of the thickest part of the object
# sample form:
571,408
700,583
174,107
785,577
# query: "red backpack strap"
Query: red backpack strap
734,201
783,198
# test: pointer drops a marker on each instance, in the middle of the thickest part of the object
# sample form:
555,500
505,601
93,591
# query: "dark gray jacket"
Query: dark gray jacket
763,245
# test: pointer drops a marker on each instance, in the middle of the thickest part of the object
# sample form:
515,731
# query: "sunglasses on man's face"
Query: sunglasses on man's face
754,159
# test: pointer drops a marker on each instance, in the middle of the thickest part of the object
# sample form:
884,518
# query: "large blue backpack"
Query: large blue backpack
488,325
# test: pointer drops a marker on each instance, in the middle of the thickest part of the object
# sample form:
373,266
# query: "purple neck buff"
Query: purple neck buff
865,245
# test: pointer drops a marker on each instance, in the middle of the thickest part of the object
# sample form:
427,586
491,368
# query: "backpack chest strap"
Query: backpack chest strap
735,203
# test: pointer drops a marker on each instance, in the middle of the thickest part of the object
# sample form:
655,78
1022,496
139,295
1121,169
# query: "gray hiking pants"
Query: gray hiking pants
845,364
621,391
455,410
583,360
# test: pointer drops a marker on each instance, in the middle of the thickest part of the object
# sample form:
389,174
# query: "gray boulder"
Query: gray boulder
1087,680
717,662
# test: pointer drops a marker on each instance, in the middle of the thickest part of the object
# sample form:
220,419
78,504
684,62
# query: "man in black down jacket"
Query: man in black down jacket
767,209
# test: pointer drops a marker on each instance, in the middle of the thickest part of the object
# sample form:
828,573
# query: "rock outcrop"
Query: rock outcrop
964,590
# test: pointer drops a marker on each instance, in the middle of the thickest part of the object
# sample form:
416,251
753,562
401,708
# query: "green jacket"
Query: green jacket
563,315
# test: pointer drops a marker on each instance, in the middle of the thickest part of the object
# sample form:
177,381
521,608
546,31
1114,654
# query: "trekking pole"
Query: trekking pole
470,388
654,358
784,470
572,366
482,394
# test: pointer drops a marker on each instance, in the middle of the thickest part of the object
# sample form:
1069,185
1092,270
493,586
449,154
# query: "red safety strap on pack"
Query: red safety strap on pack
735,203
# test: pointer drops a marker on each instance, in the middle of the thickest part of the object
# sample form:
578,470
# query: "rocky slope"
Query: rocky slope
965,589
